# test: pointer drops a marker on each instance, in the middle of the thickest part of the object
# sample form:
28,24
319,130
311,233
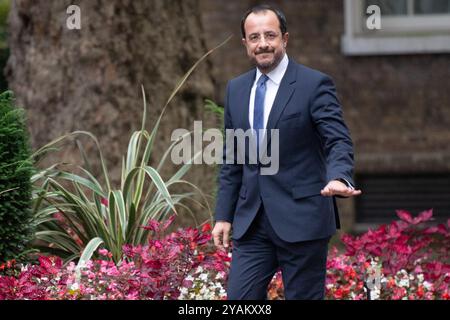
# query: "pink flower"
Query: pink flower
103,252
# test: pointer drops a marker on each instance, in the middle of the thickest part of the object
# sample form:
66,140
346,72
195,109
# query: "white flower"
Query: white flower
75,286
219,276
203,277
184,291
420,277
189,278
427,285
404,283
374,294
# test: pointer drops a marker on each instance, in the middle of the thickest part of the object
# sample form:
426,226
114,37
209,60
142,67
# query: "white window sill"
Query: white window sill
354,45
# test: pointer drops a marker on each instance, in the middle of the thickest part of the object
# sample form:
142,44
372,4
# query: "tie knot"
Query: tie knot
262,79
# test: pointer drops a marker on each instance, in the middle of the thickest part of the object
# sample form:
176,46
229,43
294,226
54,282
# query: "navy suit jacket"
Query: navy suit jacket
315,147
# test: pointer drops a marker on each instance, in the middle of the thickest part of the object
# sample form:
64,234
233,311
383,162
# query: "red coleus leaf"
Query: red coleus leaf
10,263
393,231
48,264
152,225
423,216
168,222
404,215
441,229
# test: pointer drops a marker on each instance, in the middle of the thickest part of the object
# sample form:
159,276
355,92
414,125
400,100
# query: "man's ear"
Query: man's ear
243,41
285,39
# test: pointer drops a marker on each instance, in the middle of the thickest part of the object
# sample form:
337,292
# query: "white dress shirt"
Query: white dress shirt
272,85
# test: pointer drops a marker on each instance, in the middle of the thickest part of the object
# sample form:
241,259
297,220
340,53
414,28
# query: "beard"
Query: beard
268,65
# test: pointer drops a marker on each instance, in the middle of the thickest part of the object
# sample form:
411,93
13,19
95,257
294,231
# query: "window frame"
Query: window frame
424,33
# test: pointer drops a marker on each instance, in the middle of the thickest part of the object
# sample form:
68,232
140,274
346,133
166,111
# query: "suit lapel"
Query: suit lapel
245,94
282,98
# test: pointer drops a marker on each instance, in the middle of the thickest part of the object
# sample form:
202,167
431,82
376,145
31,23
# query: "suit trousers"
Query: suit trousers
259,253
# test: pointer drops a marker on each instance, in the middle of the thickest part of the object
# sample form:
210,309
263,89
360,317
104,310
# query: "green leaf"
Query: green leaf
87,254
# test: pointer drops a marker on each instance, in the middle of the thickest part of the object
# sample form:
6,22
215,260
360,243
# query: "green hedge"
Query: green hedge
15,186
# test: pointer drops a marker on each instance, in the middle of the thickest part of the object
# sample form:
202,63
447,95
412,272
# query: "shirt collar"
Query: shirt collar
276,74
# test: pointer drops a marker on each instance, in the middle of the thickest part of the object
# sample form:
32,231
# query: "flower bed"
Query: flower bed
400,261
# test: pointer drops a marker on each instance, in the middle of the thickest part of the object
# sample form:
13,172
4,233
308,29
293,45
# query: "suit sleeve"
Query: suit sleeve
326,113
230,175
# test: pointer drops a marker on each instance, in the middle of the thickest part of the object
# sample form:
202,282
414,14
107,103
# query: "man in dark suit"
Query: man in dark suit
283,220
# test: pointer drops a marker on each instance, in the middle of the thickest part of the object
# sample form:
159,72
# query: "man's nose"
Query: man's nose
263,43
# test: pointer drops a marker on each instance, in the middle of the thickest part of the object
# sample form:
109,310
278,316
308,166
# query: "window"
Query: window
383,194
411,7
407,26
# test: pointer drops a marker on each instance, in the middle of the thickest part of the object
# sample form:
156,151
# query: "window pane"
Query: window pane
389,7
431,6
385,193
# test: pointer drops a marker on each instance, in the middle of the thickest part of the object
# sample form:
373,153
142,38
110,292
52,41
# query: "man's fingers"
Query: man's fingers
326,191
345,192
221,235
225,238
350,192
216,237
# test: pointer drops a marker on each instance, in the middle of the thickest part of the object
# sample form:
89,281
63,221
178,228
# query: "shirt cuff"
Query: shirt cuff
349,185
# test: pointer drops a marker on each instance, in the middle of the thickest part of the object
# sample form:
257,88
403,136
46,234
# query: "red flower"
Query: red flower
206,227
420,292
338,294
104,202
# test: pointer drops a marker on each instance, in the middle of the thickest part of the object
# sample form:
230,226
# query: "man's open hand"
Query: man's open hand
221,234
337,188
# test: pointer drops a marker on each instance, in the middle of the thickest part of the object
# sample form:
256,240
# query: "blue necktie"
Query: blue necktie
258,112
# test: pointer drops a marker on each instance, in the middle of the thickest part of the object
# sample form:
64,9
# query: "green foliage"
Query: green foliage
215,109
15,186
4,11
76,213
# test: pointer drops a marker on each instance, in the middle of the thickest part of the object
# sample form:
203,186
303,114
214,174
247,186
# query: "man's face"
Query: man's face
263,40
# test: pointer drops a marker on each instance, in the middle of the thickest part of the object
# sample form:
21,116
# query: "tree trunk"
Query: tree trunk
90,79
